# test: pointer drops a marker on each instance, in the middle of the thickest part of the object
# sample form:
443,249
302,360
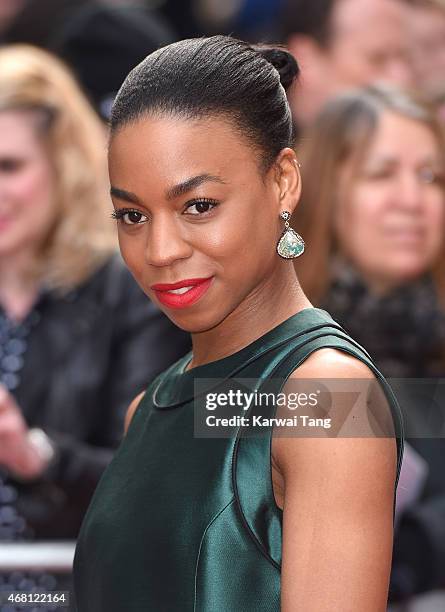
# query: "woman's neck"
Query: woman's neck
17,291
276,300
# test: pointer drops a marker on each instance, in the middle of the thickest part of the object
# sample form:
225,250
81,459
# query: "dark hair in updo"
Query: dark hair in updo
218,75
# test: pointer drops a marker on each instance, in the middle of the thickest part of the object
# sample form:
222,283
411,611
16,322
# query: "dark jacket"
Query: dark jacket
90,354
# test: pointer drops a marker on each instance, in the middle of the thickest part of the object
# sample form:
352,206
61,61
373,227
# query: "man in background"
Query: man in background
427,29
342,44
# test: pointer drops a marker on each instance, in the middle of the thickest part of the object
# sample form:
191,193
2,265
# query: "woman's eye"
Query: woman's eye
10,165
200,207
377,175
129,217
429,175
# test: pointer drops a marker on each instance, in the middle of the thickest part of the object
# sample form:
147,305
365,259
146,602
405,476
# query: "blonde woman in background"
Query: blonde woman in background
78,338
373,213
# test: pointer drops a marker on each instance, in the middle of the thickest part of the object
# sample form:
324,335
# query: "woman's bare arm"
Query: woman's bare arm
338,508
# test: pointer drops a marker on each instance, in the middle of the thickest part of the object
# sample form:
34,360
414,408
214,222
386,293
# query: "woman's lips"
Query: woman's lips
183,293
407,235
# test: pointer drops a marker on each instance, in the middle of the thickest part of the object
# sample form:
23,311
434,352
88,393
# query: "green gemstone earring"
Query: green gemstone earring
290,244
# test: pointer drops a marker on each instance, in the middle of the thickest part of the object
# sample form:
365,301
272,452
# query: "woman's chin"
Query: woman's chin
193,323
410,271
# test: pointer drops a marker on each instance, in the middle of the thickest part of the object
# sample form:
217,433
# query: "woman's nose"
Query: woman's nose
166,242
400,72
410,192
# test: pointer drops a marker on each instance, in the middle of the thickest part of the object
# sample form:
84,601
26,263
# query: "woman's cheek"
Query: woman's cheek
436,233
220,237
25,188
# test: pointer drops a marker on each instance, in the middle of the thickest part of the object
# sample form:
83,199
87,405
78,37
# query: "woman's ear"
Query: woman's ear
288,180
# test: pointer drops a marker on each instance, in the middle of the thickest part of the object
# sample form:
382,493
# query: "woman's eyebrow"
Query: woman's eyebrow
171,193
121,194
191,183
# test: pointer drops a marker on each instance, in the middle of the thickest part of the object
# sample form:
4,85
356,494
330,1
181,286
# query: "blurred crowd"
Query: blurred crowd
78,338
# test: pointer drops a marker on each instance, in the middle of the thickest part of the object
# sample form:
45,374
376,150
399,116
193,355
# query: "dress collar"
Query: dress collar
176,385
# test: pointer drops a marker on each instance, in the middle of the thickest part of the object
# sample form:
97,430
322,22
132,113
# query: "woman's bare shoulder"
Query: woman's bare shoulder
332,363
354,407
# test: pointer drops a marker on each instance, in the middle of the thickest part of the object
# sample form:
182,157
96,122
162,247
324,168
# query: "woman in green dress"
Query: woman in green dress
204,180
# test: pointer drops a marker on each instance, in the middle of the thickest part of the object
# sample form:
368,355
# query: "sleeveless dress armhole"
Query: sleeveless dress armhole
252,456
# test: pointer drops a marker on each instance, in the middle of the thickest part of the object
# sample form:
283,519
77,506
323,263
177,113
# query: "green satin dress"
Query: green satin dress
180,523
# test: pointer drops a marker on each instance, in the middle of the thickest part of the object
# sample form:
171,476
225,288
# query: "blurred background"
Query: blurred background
369,116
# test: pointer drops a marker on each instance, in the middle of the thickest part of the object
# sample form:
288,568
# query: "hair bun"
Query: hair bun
283,61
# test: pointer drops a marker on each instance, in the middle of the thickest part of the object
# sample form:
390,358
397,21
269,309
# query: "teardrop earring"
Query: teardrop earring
291,244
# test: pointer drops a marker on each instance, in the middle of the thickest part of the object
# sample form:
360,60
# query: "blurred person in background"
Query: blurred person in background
184,17
8,10
427,27
250,19
33,21
77,336
373,213
342,44
100,43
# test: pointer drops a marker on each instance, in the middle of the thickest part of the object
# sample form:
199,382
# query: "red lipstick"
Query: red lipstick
196,287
